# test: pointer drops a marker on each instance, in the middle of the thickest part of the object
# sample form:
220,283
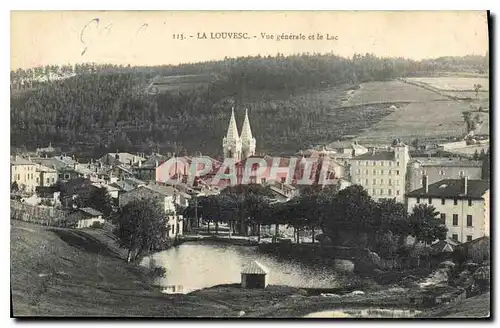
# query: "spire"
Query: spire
232,130
246,132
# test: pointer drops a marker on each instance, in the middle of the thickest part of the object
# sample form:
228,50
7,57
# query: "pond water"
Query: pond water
364,313
197,265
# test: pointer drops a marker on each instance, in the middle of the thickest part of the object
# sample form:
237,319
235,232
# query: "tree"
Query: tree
100,199
350,211
477,87
425,225
391,216
142,228
14,187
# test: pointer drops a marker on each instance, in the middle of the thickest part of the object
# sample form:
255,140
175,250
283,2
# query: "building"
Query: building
382,172
121,159
463,205
439,168
85,217
46,176
477,250
23,172
254,275
235,146
167,197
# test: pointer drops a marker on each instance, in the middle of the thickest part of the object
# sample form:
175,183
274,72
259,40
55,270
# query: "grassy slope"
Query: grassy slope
64,272
427,116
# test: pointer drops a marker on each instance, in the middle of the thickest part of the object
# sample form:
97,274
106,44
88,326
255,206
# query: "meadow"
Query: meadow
420,113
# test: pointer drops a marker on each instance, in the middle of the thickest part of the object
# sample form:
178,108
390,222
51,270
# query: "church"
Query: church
237,146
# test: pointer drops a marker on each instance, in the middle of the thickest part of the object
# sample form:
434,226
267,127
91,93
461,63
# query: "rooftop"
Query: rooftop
453,188
380,155
447,161
255,268
90,211
18,160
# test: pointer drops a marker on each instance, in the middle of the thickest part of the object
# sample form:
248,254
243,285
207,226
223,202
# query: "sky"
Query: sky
41,38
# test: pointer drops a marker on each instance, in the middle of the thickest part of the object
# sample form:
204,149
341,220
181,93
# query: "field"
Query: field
420,113
453,83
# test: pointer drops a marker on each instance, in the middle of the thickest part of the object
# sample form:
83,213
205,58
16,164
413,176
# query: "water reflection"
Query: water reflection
364,313
192,266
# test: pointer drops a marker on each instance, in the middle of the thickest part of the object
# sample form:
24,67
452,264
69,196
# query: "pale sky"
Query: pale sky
146,37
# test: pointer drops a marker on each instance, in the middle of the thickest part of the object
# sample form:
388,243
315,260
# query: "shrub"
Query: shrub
97,225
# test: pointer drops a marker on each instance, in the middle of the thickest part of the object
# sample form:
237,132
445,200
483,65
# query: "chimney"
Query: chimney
425,183
466,180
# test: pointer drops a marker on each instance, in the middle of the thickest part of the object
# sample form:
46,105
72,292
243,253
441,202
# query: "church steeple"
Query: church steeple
247,140
231,144
232,130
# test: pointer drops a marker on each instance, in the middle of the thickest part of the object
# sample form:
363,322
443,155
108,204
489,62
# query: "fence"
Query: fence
48,216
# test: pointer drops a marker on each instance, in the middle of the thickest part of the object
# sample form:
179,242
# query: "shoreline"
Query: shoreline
81,273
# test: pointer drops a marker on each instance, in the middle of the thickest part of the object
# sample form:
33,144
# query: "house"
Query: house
167,197
85,217
444,246
347,149
23,172
439,168
382,172
254,275
463,205
121,159
47,176
120,172
478,250
112,190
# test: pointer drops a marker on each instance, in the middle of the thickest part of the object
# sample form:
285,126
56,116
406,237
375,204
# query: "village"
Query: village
452,191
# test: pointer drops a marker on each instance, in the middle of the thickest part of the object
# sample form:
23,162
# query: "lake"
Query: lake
196,265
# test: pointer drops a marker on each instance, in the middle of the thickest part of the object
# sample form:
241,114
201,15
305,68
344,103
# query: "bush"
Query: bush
156,271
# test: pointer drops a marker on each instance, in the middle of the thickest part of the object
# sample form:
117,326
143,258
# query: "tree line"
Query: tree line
347,217
102,108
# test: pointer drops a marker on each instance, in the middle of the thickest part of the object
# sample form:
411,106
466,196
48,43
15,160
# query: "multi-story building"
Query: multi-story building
439,168
463,204
382,172
23,172
46,176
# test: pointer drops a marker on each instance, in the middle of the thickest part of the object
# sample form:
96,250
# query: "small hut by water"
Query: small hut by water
254,275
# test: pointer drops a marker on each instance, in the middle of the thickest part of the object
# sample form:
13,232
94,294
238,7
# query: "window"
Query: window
441,172
469,238
397,192
418,200
455,202
52,180
374,163
37,180
263,180
382,163
374,172
46,180
470,202
469,220
430,200
390,172
454,236
382,172
283,180
443,217
397,163
390,182
66,176
389,191
366,172
374,181
366,182
358,171
381,181
455,219
443,201
397,172
373,192
462,173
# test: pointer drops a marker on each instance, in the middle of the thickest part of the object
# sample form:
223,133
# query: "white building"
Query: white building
463,204
235,146
382,172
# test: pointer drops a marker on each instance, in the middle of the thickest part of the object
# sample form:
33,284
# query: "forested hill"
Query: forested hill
105,107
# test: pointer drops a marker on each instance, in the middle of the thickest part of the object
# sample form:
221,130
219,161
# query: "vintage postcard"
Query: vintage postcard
250,164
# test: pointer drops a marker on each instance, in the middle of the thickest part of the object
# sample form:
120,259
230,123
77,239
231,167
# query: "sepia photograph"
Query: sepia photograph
250,164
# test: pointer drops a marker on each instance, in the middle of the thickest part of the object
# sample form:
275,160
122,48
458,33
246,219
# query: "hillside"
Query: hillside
294,102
